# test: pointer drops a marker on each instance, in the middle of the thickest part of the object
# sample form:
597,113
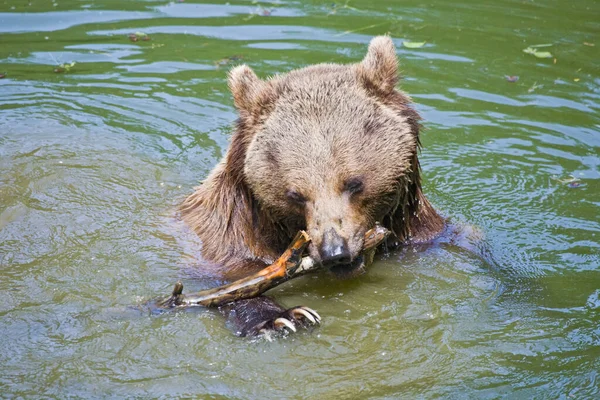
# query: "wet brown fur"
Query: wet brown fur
310,130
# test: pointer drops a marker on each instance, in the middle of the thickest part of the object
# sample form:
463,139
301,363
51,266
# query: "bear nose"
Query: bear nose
334,249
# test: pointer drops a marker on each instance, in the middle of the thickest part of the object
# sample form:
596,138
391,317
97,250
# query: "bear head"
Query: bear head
329,148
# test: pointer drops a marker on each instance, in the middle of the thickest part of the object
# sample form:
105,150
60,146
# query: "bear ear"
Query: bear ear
379,68
245,87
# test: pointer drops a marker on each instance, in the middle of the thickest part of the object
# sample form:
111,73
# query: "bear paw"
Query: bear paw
287,321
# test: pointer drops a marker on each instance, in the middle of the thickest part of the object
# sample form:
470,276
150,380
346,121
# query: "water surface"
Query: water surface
94,160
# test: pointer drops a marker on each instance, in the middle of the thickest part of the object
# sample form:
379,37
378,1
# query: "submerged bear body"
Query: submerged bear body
330,149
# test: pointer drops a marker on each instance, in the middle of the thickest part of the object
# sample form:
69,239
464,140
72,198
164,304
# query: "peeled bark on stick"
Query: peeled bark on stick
290,265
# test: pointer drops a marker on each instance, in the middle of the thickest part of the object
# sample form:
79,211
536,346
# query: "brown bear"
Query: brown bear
330,149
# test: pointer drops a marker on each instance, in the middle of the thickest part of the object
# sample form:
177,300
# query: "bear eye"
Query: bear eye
353,185
295,197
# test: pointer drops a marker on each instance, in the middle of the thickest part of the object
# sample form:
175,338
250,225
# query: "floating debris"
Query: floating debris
413,45
571,182
2,76
534,87
512,78
359,29
336,6
260,12
538,54
62,68
228,60
533,50
134,37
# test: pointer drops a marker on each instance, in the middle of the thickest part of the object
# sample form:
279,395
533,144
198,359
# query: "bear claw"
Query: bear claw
288,321
281,322
308,313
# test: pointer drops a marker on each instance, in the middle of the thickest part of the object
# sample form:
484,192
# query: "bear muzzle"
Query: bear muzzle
336,254
334,249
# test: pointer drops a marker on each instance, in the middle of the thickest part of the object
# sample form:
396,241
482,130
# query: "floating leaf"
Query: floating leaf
541,45
2,76
413,45
538,54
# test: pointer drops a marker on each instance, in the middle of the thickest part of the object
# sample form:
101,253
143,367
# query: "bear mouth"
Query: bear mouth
354,268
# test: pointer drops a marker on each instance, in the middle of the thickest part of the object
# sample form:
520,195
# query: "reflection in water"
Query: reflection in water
93,162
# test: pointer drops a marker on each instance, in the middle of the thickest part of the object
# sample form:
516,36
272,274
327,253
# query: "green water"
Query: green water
94,160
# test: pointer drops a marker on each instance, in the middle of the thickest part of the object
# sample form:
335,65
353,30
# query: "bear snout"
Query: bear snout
334,249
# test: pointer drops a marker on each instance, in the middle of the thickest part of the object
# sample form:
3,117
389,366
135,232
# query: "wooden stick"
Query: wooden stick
290,265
